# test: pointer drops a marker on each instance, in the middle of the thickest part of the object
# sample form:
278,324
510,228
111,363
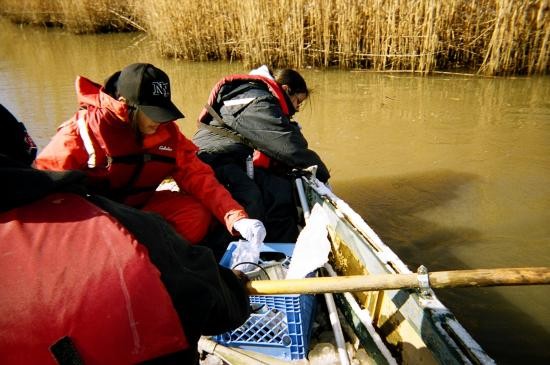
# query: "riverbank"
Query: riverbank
488,37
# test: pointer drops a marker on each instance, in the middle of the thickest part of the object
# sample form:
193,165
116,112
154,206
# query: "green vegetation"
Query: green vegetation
490,37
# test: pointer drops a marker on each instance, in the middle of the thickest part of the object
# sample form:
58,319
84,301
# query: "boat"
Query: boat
400,326
415,326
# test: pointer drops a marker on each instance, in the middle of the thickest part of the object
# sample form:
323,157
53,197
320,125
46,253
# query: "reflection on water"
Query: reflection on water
452,172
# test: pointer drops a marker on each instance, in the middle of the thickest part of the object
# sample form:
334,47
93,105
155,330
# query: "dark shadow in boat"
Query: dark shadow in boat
392,206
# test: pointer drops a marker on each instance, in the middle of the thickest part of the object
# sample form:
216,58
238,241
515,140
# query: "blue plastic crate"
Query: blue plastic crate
281,324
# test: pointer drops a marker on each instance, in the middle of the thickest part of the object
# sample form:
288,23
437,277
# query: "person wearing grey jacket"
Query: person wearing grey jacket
249,117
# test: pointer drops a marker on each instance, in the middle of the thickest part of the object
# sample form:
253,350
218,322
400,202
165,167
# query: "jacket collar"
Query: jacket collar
90,93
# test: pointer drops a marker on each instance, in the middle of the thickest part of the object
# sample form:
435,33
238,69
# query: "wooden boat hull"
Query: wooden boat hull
416,327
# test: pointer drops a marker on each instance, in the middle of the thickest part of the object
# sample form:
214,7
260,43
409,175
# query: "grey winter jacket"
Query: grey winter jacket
254,113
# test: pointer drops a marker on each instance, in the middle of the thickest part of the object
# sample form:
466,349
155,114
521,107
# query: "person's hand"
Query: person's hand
251,230
241,276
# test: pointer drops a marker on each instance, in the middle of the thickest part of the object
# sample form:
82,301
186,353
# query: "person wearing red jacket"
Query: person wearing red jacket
124,136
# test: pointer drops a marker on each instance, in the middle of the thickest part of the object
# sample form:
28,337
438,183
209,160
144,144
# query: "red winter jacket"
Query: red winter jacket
69,269
100,140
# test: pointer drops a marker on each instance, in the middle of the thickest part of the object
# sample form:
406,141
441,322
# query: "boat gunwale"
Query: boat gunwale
442,333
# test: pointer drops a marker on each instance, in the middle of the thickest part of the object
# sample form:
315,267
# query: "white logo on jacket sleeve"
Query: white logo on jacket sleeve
161,88
165,148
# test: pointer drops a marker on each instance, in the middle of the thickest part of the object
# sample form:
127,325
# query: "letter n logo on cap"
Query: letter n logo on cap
161,88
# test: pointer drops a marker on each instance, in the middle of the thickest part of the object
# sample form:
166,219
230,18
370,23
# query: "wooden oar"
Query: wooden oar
437,279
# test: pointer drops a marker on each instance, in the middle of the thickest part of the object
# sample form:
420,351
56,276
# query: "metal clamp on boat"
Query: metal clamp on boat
423,281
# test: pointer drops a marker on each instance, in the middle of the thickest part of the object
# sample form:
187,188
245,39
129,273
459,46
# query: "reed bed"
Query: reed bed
77,16
490,37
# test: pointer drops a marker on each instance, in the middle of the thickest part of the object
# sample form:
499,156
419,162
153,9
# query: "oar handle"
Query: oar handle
437,279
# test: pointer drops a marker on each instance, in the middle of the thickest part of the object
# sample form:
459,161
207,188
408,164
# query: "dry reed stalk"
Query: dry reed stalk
254,36
317,33
541,39
292,32
520,28
272,32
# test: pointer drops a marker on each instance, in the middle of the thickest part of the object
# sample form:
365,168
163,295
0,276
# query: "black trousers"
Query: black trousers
269,198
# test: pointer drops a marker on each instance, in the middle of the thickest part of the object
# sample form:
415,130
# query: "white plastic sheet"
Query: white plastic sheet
312,247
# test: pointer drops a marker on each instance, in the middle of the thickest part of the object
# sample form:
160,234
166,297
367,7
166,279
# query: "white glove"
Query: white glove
248,251
252,230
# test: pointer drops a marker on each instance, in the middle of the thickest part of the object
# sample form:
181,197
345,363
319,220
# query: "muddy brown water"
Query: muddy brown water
453,172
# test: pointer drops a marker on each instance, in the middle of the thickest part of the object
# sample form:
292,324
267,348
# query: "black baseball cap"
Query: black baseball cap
148,88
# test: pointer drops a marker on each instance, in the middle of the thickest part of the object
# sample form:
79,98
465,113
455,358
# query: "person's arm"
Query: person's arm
262,122
198,179
64,152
